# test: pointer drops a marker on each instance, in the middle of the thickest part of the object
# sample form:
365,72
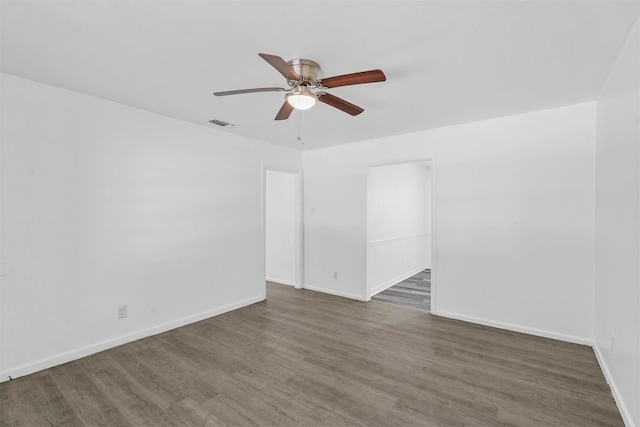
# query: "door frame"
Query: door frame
298,222
434,246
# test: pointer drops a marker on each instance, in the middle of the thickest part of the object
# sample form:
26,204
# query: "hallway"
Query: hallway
414,292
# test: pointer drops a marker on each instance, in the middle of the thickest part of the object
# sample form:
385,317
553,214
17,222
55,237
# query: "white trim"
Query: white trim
516,328
281,281
399,161
367,248
386,285
299,280
431,160
30,368
434,238
617,396
399,238
299,221
333,292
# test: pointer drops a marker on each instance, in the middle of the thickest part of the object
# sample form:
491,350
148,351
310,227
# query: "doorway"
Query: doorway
283,226
399,233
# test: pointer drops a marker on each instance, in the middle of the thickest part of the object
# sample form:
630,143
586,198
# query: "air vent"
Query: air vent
221,123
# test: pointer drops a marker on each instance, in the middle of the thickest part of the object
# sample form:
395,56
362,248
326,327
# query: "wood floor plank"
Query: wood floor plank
414,292
303,358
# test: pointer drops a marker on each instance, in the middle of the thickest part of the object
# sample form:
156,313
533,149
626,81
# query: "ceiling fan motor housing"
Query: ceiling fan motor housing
308,70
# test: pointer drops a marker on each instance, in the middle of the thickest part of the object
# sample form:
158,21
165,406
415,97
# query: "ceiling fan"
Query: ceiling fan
302,76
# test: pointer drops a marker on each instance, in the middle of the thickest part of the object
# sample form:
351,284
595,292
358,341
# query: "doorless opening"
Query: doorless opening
283,227
399,220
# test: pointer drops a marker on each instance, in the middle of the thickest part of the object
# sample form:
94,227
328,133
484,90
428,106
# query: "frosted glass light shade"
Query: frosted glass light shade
301,98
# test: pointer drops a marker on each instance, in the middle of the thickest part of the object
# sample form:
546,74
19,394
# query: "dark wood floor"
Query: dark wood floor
414,292
307,358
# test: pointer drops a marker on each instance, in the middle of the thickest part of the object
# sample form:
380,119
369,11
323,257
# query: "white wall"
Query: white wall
399,223
617,225
105,205
281,227
513,202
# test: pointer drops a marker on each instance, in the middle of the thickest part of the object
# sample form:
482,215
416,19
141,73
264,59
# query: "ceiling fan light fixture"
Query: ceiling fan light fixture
301,98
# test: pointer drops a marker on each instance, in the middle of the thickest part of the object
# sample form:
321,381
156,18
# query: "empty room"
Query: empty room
322,213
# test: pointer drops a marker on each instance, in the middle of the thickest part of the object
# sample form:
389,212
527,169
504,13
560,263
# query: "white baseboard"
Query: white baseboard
333,292
281,281
30,368
624,411
516,328
386,285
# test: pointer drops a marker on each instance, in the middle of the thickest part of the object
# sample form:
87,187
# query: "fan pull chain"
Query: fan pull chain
300,125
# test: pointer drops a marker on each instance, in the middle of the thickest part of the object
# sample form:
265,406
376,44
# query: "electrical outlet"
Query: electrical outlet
335,275
122,312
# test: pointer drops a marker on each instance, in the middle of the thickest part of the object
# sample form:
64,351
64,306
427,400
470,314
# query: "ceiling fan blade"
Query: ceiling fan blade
280,65
259,89
371,76
339,103
285,111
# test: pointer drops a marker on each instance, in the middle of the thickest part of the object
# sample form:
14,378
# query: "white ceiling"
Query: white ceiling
446,62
